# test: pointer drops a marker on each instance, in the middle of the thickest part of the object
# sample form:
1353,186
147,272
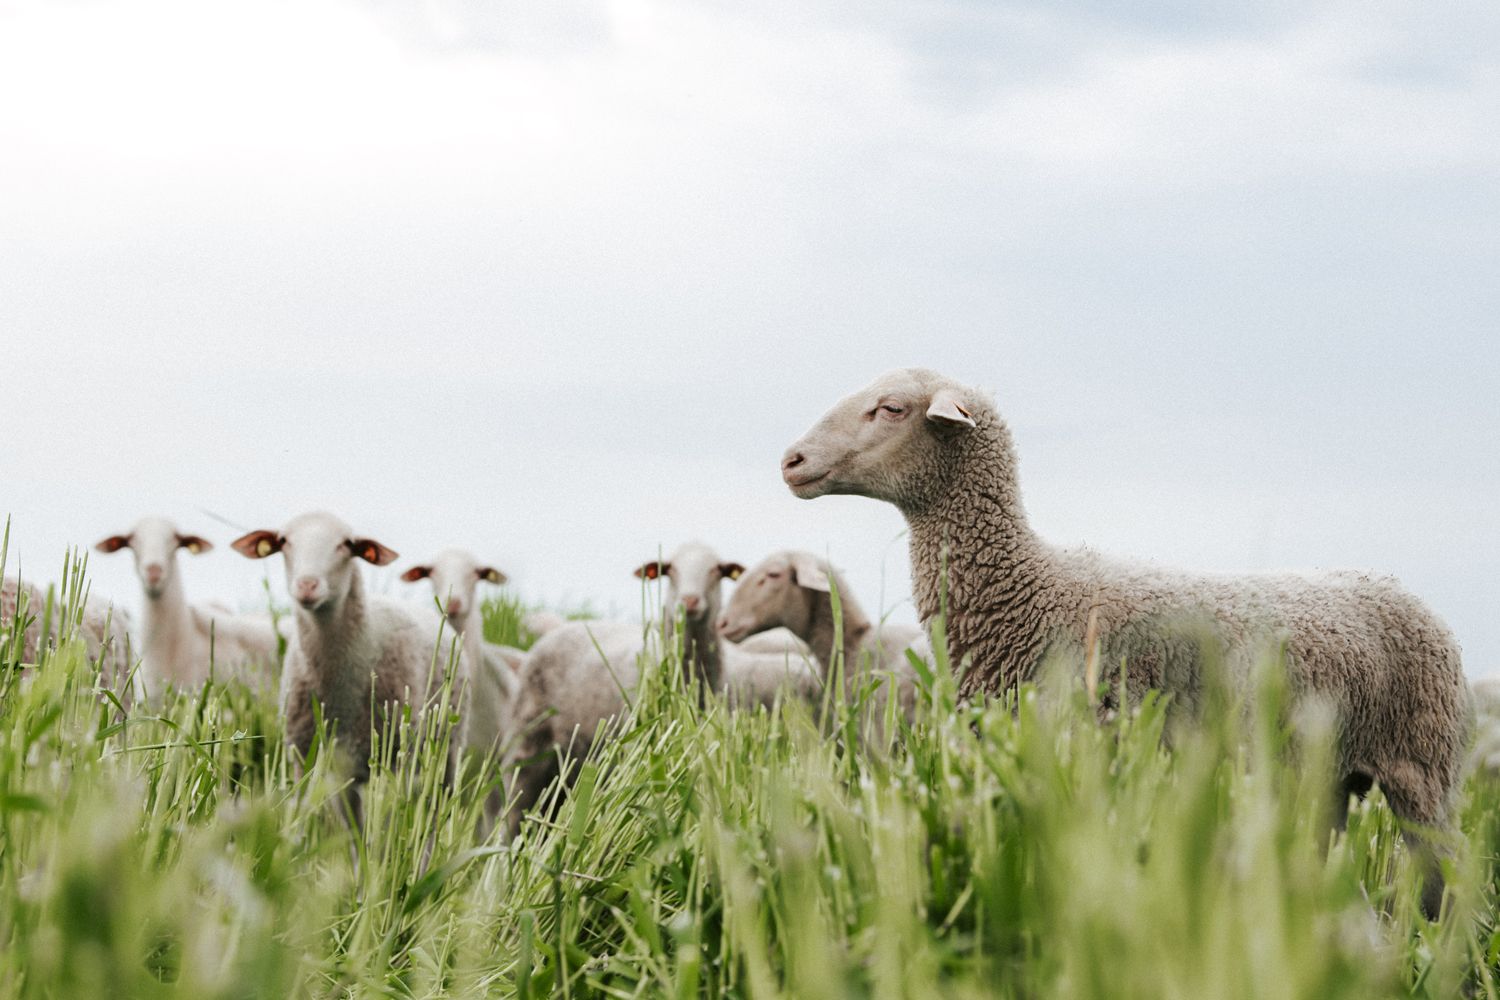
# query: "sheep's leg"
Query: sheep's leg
530,780
1420,800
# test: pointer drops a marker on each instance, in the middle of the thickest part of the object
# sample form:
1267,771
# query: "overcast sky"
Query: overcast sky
559,282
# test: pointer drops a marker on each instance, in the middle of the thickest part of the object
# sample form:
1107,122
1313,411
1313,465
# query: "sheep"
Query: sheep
1486,750
103,628
578,676
940,452
455,576
351,649
539,623
794,590
182,643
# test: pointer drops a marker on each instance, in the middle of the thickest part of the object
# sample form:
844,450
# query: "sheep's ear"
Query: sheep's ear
417,573
194,544
948,409
492,575
652,570
257,544
113,543
372,551
731,571
809,572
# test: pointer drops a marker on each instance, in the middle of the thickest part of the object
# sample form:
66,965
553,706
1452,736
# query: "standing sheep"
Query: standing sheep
577,677
104,630
940,452
180,643
350,650
793,590
455,576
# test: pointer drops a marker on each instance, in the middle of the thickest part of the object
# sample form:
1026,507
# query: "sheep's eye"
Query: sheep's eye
894,409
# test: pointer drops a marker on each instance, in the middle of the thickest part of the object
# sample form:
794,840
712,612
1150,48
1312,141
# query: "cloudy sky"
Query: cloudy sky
558,282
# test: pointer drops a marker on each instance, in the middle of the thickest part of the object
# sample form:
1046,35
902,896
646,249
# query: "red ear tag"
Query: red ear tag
651,571
370,554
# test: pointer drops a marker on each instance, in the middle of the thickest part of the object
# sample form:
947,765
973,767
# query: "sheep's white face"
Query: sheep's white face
154,542
880,440
455,576
693,574
319,551
776,593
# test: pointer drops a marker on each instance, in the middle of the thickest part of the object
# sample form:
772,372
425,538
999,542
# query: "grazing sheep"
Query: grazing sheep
351,650
104,630
793,590
578,676
940,452
181,643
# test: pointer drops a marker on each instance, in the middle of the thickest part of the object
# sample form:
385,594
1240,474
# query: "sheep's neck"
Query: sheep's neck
335,646
471,628
995,559
168,624
700,648
821,630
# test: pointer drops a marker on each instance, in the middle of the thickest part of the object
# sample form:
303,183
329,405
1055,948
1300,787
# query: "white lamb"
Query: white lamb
182,644
793,590
455,576
351,650
578,676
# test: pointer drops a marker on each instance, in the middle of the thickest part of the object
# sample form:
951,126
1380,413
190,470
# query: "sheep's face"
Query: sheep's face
693,575
455,576
319,552
154,542
778,592
888,441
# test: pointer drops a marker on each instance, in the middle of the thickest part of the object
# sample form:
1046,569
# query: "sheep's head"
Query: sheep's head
154,542
891,441
319,552
693,575
778,592
455,575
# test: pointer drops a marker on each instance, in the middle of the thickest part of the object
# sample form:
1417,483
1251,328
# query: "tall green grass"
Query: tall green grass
1015,849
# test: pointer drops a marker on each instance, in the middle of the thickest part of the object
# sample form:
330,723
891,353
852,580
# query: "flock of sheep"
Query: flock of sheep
1380,660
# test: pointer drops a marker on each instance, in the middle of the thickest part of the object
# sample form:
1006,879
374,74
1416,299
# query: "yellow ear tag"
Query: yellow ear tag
194,548
263,547
735,574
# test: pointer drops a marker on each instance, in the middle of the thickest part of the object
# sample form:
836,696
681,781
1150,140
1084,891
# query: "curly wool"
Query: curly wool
1385,663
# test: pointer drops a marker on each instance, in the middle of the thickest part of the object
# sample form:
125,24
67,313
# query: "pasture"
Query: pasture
1014,848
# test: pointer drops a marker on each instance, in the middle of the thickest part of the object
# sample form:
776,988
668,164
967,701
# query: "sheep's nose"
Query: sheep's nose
305,587
455,606
154,573
792,459
690,602
722,624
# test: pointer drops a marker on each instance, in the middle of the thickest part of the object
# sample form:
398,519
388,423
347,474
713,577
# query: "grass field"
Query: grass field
1012,849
